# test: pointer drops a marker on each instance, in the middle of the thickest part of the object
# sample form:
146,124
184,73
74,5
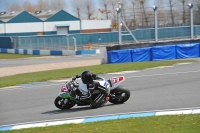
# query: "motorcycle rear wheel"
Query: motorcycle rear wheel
121,93
59,103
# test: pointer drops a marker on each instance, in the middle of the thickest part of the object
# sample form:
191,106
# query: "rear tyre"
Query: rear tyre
61,103
122,94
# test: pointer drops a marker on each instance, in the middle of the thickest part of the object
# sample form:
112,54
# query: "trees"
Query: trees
42,5
197,12
105,5
77,7
13,7
27,6
58,4
89,8
143,4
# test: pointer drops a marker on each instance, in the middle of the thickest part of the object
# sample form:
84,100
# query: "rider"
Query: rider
89,79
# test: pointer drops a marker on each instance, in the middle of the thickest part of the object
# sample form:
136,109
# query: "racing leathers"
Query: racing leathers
91,86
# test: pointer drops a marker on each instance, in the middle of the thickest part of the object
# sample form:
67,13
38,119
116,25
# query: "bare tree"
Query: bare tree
58,4
183,4
28,6
89,5
171,5
162,19
197,11
42,5
105,4
112,4
134,4
143,9
77,7
14,7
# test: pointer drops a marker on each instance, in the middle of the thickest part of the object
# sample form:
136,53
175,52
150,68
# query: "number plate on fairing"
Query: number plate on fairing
116,81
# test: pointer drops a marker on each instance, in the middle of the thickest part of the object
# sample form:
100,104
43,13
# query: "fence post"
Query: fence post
59,44
119,23
67,43
75,43
155,22
44,43
191,21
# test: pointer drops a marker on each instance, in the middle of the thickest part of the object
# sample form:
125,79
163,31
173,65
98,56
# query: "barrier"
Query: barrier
85,52
163,52
141,54
119,56
154,53
37,52
187,50
48,52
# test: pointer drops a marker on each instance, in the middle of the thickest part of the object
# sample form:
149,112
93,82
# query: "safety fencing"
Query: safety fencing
154,53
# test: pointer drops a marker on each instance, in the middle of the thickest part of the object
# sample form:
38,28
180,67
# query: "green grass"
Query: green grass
69,72
156,124
15,56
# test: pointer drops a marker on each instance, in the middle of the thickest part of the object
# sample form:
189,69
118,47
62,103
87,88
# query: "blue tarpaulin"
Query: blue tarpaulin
119,56
163,52
141,54
187,50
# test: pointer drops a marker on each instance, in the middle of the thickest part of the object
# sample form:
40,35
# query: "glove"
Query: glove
73,78
78,76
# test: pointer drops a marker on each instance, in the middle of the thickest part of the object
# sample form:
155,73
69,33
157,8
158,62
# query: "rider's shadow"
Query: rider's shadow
84,108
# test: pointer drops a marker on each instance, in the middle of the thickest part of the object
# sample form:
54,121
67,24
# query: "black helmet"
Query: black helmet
86,77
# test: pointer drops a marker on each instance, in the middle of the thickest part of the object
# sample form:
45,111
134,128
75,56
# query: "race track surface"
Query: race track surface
46,60
151,89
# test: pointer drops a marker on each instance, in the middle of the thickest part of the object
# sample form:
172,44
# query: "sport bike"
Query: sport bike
117,93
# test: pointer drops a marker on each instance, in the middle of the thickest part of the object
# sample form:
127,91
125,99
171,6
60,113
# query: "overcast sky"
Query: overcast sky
3,3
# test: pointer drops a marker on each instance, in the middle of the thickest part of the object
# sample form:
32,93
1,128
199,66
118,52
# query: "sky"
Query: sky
3,3
69,9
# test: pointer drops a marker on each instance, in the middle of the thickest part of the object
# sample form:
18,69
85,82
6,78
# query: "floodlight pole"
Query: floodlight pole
119,23
191,20
155,23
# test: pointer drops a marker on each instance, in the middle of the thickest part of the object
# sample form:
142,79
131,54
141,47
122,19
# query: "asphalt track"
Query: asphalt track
46,60
151,89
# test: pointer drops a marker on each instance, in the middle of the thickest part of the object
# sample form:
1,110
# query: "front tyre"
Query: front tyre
63,103
121,95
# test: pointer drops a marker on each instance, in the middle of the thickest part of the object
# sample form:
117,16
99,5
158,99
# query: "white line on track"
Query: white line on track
25,87
175,73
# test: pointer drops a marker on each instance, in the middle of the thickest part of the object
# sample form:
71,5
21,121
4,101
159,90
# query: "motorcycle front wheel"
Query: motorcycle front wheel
63,103
121,94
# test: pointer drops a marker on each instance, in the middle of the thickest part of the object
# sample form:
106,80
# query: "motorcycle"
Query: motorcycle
117,93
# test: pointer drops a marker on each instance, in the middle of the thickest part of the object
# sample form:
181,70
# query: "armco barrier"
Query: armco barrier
119,56
154,53
163,52
141,54
48,52
187,50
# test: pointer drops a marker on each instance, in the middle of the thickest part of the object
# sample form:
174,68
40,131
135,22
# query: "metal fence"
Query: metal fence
53,42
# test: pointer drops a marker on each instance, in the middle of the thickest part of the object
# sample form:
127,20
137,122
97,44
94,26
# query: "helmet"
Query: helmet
86,77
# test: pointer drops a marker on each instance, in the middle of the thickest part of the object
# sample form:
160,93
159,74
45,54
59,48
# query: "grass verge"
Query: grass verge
156,124
16,56
69,72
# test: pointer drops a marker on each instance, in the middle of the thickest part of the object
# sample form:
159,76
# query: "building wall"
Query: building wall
24,27
51,26
95,30
2,29
95,24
